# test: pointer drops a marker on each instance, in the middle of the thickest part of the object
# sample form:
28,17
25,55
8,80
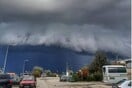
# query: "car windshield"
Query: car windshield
14,77
28,78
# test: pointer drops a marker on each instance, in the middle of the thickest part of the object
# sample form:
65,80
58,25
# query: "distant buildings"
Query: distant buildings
69,71
1,71
127,63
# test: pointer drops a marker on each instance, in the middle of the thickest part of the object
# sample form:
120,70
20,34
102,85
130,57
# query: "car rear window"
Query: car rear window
117,70
28,78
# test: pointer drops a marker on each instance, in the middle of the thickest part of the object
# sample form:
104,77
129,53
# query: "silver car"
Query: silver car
123,84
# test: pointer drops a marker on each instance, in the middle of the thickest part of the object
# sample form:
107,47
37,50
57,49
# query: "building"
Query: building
127,63
1,70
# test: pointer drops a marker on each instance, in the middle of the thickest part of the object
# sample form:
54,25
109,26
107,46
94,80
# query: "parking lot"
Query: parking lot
53,82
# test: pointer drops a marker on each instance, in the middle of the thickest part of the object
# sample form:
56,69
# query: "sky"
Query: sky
79,25
52,58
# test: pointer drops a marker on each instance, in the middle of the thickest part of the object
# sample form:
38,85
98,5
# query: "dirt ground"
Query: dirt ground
54,82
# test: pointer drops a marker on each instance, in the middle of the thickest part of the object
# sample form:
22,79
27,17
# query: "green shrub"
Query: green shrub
37,71
75,77
95,77
90,78
98,76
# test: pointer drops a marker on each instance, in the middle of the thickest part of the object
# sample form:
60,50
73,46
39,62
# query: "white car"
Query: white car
123,84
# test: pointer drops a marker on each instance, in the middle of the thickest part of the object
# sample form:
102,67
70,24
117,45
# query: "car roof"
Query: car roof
129,80
5,74
113,66
126,81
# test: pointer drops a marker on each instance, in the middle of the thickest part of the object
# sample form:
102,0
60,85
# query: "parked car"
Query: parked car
5,81
15,80
123,84
28,81
22,75
64,78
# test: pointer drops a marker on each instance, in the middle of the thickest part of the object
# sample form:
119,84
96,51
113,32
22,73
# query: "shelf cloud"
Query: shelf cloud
80,25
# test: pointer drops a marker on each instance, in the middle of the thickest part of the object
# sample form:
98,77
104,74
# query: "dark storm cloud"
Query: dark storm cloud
88,25
104,12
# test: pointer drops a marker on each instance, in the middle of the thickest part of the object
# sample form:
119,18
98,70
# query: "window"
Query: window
104,70
117,70
128,65
28,78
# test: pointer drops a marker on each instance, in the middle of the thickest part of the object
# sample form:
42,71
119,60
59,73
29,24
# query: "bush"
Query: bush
98,76
90,78
51,74
75,77
95,77
37,71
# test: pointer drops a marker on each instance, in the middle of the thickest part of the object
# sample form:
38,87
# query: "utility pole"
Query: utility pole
67,69
24,65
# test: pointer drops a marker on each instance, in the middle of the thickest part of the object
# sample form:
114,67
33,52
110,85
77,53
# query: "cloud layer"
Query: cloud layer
87,25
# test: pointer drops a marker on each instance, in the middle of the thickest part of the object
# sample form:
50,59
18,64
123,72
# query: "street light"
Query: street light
24,65
6,56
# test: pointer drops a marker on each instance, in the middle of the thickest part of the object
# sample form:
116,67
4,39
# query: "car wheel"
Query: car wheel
34,87
9,87
113,87
20,87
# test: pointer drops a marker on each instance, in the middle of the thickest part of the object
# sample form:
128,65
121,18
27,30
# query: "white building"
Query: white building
128,64
1,71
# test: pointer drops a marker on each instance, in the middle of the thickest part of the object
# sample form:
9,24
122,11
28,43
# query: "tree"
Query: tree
37,71
83,73
99,60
